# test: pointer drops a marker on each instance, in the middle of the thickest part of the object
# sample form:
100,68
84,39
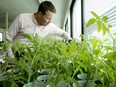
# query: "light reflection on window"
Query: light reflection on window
0,36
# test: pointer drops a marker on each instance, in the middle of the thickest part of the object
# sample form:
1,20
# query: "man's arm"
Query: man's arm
59,32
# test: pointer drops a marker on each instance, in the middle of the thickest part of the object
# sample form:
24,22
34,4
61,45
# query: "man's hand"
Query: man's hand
70,40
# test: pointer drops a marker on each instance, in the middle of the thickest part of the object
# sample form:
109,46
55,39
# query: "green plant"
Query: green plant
63,60
107,52
57,56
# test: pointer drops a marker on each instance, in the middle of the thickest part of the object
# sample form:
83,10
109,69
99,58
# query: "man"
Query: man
37,23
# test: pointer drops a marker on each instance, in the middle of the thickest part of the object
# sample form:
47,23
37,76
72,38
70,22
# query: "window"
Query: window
101,7
77,19
1,38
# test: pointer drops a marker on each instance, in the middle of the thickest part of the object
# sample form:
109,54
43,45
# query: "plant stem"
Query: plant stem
34,58
113,40
76,71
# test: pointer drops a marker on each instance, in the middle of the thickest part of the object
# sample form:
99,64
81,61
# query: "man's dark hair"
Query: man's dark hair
46,6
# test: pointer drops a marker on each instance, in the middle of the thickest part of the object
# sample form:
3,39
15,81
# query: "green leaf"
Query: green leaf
7,43
99,26
83,57
94,40
90,22
96,51
73,46
104,19
111,55
109,26
7,84
14,84
108,47
113,76
104,29
28,36
95,15
59,78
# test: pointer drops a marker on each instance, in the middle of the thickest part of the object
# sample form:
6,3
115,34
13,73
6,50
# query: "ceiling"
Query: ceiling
15,7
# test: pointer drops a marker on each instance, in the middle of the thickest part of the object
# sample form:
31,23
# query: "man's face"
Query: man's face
46,18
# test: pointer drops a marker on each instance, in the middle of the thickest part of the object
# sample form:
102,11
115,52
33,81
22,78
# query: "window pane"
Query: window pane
77,19
101,7
0,36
